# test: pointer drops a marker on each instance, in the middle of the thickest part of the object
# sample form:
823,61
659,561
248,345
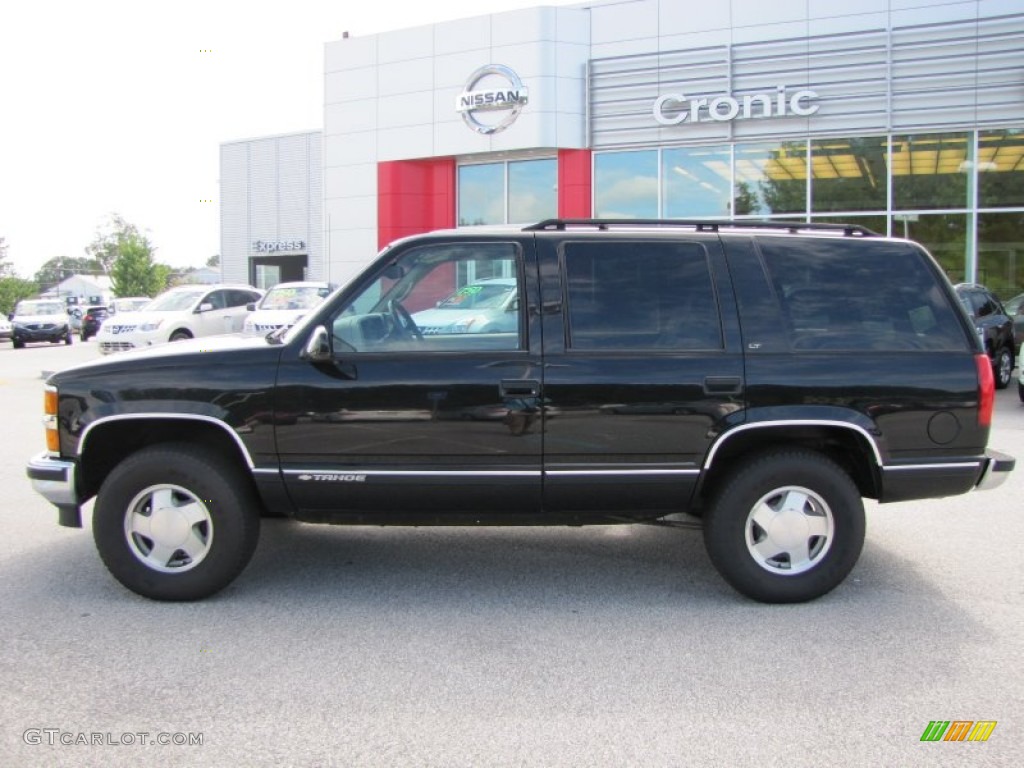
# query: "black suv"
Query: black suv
994,328
762,378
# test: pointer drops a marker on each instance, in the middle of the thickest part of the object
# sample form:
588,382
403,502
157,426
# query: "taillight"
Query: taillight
50,420
986,390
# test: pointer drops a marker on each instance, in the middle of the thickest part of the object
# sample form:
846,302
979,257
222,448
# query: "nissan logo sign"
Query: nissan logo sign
494,88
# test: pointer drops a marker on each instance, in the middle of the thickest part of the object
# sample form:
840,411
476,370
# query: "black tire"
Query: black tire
17,344
180,336
68,338
210,522
1002,368
810,501
1020,391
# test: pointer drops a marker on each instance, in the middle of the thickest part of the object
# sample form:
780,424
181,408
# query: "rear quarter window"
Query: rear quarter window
861,295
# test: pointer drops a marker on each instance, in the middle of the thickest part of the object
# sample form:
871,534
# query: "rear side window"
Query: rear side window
628,295
852,295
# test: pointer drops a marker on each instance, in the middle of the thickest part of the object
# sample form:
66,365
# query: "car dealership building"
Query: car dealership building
904,116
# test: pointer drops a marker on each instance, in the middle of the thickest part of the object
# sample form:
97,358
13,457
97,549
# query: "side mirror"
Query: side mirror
204,307
318,347
251,306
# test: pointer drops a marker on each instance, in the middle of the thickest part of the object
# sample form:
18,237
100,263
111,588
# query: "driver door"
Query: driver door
418,423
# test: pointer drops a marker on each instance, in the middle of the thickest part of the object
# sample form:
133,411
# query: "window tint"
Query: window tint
640,295
442,298
850,295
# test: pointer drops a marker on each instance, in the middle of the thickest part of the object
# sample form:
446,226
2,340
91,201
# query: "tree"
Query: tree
5,266
14,289
213,261
60,267
133,272
106,247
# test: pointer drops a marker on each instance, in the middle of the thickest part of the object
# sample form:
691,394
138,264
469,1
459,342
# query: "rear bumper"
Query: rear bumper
998,467
54,480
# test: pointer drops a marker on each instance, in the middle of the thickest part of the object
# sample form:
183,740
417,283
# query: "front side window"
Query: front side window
632,295
438,298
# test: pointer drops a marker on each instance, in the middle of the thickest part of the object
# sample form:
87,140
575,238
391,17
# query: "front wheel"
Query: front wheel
788,526
180,336
176,522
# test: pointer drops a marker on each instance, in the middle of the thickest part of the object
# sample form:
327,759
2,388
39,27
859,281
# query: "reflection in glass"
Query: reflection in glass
626,185
1001,168
481,194
532,190
848,174
771,178
875,222
695,182
944,235
930,171
1001,253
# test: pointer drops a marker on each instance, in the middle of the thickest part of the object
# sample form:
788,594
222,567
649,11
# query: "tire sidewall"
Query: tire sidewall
234,518
726,523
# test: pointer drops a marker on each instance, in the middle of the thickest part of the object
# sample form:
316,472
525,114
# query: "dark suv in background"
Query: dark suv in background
753,380
994,327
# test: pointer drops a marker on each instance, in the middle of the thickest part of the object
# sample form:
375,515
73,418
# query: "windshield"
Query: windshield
479,296
174,302
36,309
294,297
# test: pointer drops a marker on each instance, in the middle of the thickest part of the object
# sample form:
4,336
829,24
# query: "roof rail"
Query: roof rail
701,225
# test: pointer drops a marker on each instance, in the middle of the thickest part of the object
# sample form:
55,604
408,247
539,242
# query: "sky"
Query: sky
109,106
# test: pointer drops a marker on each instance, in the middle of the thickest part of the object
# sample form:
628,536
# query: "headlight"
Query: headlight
466,325
147,327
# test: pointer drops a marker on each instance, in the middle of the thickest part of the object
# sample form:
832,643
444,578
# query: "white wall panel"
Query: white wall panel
405,44
405,142
403,77
471,34
350,148
350,85
407,109
614,24
524,26
350,53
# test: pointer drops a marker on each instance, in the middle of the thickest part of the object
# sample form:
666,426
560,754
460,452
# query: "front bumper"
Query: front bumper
998,467
30,335
54,480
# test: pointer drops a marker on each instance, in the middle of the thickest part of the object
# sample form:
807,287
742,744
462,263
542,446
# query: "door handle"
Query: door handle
723,385
519,388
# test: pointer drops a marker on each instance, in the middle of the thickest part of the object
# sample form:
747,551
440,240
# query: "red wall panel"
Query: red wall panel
414,196
574,184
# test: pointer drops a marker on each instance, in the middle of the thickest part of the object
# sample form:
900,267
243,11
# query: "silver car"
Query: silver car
486,306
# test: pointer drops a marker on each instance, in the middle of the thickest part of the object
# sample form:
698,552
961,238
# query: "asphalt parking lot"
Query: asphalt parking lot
616,646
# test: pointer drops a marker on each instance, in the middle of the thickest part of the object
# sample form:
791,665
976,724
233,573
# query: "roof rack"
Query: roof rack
560,225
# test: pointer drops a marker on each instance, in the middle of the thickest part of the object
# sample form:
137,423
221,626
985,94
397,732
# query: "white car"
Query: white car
128,304
6,329
283,305
185,312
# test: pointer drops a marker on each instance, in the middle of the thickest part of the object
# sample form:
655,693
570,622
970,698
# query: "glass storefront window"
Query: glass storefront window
876,222
532,191
771,178
848,174
626,185
695,182
930,171
481,194
943,234
1001,253
1001,169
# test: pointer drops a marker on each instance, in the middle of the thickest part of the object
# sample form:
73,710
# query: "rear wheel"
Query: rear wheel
1002,368
788,526
68,337
180,336
176,522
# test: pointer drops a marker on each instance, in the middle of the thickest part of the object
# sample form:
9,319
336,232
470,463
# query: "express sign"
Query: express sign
675,108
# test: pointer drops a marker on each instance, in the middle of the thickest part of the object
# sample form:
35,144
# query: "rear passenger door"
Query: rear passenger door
643,366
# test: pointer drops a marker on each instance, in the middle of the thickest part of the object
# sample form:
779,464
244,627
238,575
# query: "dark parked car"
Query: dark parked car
36,320
764,378
993,326
92,319
1015,309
